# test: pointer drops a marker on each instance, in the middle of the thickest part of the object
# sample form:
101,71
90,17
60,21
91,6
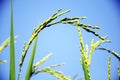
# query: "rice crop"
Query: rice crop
86,52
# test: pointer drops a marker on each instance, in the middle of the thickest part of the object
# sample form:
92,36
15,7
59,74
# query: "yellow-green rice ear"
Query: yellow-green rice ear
57,74
111,52
109,68
119,72
35,66
37,31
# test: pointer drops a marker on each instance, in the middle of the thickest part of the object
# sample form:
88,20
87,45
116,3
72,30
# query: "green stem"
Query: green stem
86,70
12,52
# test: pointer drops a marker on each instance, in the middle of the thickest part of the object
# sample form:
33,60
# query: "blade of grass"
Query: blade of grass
12,52
29,69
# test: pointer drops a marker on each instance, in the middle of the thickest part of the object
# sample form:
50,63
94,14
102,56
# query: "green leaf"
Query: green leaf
29,69
12,52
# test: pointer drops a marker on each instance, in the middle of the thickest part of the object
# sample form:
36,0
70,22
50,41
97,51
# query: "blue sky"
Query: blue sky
61,40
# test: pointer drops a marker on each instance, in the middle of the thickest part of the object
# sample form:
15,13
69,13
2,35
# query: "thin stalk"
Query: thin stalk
12,52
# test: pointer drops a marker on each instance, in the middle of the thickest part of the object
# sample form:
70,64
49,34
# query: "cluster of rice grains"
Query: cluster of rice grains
86,55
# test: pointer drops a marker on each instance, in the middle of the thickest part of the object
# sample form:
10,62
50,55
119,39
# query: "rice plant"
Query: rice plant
87,56
86,52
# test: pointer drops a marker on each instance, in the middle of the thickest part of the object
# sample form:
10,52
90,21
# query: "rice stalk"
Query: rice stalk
86,55
37,30
12,51
73,21
84,60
